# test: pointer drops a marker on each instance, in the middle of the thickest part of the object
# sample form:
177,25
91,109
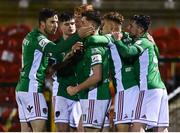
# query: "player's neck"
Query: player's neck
43,32
65,36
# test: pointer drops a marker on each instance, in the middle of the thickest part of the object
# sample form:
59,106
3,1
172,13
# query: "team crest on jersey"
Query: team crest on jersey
138,42
45,110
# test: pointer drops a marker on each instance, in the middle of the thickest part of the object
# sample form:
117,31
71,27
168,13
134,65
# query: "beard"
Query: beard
48,32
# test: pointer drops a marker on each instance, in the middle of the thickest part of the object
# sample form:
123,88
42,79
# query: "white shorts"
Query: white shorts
31,106
67,111
94,112
125,104
152,108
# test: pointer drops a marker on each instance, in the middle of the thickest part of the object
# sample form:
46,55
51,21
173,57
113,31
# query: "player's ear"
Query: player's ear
42,24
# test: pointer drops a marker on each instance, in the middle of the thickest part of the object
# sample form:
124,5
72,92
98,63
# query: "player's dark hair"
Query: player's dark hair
65,16
142,21
46,13
93,16
114,16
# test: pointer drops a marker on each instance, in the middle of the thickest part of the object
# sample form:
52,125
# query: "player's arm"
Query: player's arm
96,65
98,40
90,82
50,47
128,51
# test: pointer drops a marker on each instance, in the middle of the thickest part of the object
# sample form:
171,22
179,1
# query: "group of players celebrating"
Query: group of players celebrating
92,51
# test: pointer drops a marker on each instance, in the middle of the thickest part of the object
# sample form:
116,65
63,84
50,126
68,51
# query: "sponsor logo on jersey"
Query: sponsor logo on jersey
128,69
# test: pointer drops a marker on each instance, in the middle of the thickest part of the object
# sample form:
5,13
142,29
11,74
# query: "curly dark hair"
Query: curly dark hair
142,21
114,16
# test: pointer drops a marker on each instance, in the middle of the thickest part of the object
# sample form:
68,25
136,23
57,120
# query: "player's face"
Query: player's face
51,25
68,27
85,22
133,29
107,27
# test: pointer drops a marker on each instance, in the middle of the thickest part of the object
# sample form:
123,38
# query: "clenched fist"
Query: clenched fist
72,90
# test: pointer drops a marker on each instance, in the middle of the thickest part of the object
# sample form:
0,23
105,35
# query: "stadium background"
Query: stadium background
18,17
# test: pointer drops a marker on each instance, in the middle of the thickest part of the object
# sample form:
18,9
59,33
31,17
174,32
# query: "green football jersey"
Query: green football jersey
122,68
64,82
36,50
94,56
146,63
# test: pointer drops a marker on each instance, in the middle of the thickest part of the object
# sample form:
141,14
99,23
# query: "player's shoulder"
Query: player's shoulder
144,41
95,50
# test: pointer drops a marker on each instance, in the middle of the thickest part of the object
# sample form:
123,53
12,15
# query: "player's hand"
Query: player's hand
72,90
85,31
117,35
77,47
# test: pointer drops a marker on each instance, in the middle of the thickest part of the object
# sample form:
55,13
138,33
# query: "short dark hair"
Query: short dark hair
65,16
142,21
46,13
114,16
94,16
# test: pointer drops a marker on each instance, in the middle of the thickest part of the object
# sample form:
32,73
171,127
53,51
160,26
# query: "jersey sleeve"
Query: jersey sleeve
95,56
98,40
128,51
48,46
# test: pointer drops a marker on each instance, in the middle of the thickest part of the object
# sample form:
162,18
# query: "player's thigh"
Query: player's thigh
62,127
26,127
38,125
